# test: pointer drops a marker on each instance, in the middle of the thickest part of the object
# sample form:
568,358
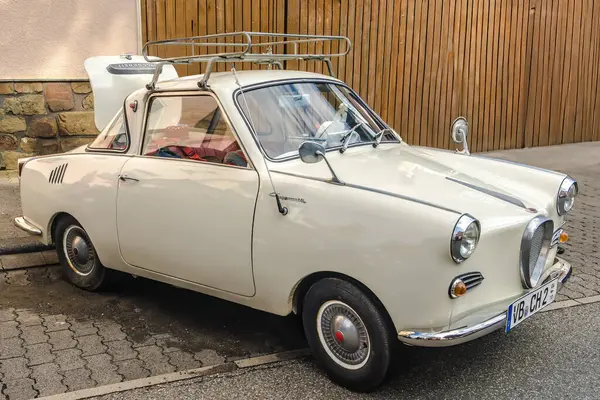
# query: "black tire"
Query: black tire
328,300
89,276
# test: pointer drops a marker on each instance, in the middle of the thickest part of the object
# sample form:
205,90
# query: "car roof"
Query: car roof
226,80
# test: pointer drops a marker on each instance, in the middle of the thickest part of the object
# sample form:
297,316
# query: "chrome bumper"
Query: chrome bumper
22,223
468,333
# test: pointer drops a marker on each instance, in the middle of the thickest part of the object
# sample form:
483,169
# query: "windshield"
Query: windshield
284,116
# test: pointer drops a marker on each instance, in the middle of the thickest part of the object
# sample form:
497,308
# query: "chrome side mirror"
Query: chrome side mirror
460,130
312,152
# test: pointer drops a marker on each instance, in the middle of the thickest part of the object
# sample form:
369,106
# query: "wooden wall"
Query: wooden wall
524,72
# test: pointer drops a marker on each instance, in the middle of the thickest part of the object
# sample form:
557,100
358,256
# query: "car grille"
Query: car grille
471,279
535,247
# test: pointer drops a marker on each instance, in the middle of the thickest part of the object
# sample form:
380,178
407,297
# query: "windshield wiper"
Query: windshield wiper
346,138
379,136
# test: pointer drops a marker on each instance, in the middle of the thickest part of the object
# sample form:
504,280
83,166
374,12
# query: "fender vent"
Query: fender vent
472,279
57,174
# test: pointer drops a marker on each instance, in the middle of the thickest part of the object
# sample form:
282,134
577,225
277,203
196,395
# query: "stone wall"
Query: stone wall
39,118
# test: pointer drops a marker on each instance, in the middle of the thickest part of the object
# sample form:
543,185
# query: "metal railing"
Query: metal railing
253,47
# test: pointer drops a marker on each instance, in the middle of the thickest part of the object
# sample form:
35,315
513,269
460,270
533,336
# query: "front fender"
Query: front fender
397,248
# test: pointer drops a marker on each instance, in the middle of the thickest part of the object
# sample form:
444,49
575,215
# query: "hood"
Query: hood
113,78
446,180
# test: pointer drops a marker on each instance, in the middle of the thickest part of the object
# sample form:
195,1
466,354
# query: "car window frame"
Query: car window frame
127,134
180,93
376,118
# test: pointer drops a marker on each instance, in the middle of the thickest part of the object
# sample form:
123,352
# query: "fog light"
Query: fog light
564,237
457,288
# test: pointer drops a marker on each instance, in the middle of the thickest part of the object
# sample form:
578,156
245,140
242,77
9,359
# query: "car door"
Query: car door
185,206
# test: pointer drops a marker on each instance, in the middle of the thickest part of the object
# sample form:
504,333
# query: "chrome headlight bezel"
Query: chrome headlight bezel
465,222
565,198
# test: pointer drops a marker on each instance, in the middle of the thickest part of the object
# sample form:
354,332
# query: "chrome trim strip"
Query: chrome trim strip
23,224
368,189
467,333
493,193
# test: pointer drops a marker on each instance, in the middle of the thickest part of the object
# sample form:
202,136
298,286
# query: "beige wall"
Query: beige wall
50,39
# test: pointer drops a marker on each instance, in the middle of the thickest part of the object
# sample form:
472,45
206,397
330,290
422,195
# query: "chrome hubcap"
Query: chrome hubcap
343,334
79,250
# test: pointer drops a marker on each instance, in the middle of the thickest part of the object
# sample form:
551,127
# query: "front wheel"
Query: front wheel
78,256
348,334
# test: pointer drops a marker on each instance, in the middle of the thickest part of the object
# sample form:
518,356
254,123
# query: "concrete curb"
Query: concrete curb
21,245
180,376
10,262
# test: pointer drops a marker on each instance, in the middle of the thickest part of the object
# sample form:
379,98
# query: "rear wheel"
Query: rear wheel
77,255
348,334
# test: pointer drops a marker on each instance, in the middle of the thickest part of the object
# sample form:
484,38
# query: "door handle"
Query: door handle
127,178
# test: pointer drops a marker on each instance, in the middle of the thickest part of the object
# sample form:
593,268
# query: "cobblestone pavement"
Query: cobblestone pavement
583,247
55,338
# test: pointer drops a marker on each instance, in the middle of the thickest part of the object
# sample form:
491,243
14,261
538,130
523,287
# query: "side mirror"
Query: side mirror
311,152
460,130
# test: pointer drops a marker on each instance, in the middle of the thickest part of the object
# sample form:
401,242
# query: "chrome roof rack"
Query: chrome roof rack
254,47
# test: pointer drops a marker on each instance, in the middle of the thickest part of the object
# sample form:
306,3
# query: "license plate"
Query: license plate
530,304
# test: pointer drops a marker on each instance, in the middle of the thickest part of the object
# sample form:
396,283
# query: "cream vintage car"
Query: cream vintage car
283,191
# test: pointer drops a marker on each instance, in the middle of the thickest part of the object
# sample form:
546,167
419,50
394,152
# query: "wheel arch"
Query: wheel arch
302,287
54,220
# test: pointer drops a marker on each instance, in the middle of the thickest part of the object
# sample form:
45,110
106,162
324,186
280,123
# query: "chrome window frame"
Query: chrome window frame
279,82
190,93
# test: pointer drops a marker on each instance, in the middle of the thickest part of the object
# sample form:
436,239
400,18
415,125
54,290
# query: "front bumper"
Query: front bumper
561,269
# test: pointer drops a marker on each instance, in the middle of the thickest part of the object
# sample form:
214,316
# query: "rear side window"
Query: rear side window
113,138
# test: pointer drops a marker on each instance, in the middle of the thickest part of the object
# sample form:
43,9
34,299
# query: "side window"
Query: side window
113,138
191,128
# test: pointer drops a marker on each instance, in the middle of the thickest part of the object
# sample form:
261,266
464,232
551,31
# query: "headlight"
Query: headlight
566,195
464,238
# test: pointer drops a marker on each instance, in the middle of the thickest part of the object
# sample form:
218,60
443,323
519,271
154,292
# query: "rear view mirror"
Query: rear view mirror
311,152
460,130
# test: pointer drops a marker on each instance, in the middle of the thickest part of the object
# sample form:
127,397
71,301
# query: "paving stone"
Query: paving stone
209,357
110,331
11,347
15,278
103,370
19,389
47,379
9,329
34,334
132,369
77,379
149,341
27,318
167,343
154,360
121,350
39,353
55,323
82,328
183,360
7,314
14,368
61,340
90,345
69,359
